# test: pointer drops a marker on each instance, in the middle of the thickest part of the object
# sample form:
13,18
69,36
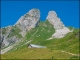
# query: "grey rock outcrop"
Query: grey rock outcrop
54,20
5,40
28,21
12,34
60,29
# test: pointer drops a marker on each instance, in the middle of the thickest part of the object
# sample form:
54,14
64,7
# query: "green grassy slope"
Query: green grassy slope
37,54
39,35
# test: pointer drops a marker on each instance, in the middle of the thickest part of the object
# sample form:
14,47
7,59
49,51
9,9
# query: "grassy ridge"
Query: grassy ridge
39,35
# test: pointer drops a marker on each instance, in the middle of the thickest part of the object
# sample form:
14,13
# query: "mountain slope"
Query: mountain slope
38,34
12,34
64,48
61,42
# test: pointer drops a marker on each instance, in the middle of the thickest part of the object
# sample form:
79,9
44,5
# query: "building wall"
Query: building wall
29,46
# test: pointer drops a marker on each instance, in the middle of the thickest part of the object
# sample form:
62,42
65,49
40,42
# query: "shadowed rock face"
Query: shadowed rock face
0,37
28,21
5,40
60,29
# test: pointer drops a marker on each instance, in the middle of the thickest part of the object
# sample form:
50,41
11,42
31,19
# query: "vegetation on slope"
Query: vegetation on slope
4,30
63,48
15,31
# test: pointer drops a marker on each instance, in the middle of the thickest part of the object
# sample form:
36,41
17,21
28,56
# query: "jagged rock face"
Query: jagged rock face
28,21
9,36
5,40
0,36
54,20
12,34
60,29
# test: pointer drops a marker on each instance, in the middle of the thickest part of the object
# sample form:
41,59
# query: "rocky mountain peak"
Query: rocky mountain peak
28,21
12,34
52,13
54,20
34,13
60,29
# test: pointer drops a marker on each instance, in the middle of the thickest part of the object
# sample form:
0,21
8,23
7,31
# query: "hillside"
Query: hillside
61,42
64,48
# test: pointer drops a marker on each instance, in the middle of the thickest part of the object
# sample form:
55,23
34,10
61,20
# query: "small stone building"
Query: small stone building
35,46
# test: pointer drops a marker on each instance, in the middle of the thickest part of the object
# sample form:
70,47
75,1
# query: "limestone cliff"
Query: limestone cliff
60,29
28,21
13,34
18,32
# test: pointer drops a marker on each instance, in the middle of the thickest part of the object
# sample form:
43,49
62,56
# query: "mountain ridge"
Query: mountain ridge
24,23
29,29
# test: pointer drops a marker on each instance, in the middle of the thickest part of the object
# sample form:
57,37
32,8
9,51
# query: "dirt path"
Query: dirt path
69,53
6,49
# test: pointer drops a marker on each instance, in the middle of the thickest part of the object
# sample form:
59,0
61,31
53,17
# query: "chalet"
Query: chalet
35,46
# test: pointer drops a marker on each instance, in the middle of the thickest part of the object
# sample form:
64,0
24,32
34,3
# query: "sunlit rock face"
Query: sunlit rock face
28,21
60,33
60,29
10,34
54,20
5,40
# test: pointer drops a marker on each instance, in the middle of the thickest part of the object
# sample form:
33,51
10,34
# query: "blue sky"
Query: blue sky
67,11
